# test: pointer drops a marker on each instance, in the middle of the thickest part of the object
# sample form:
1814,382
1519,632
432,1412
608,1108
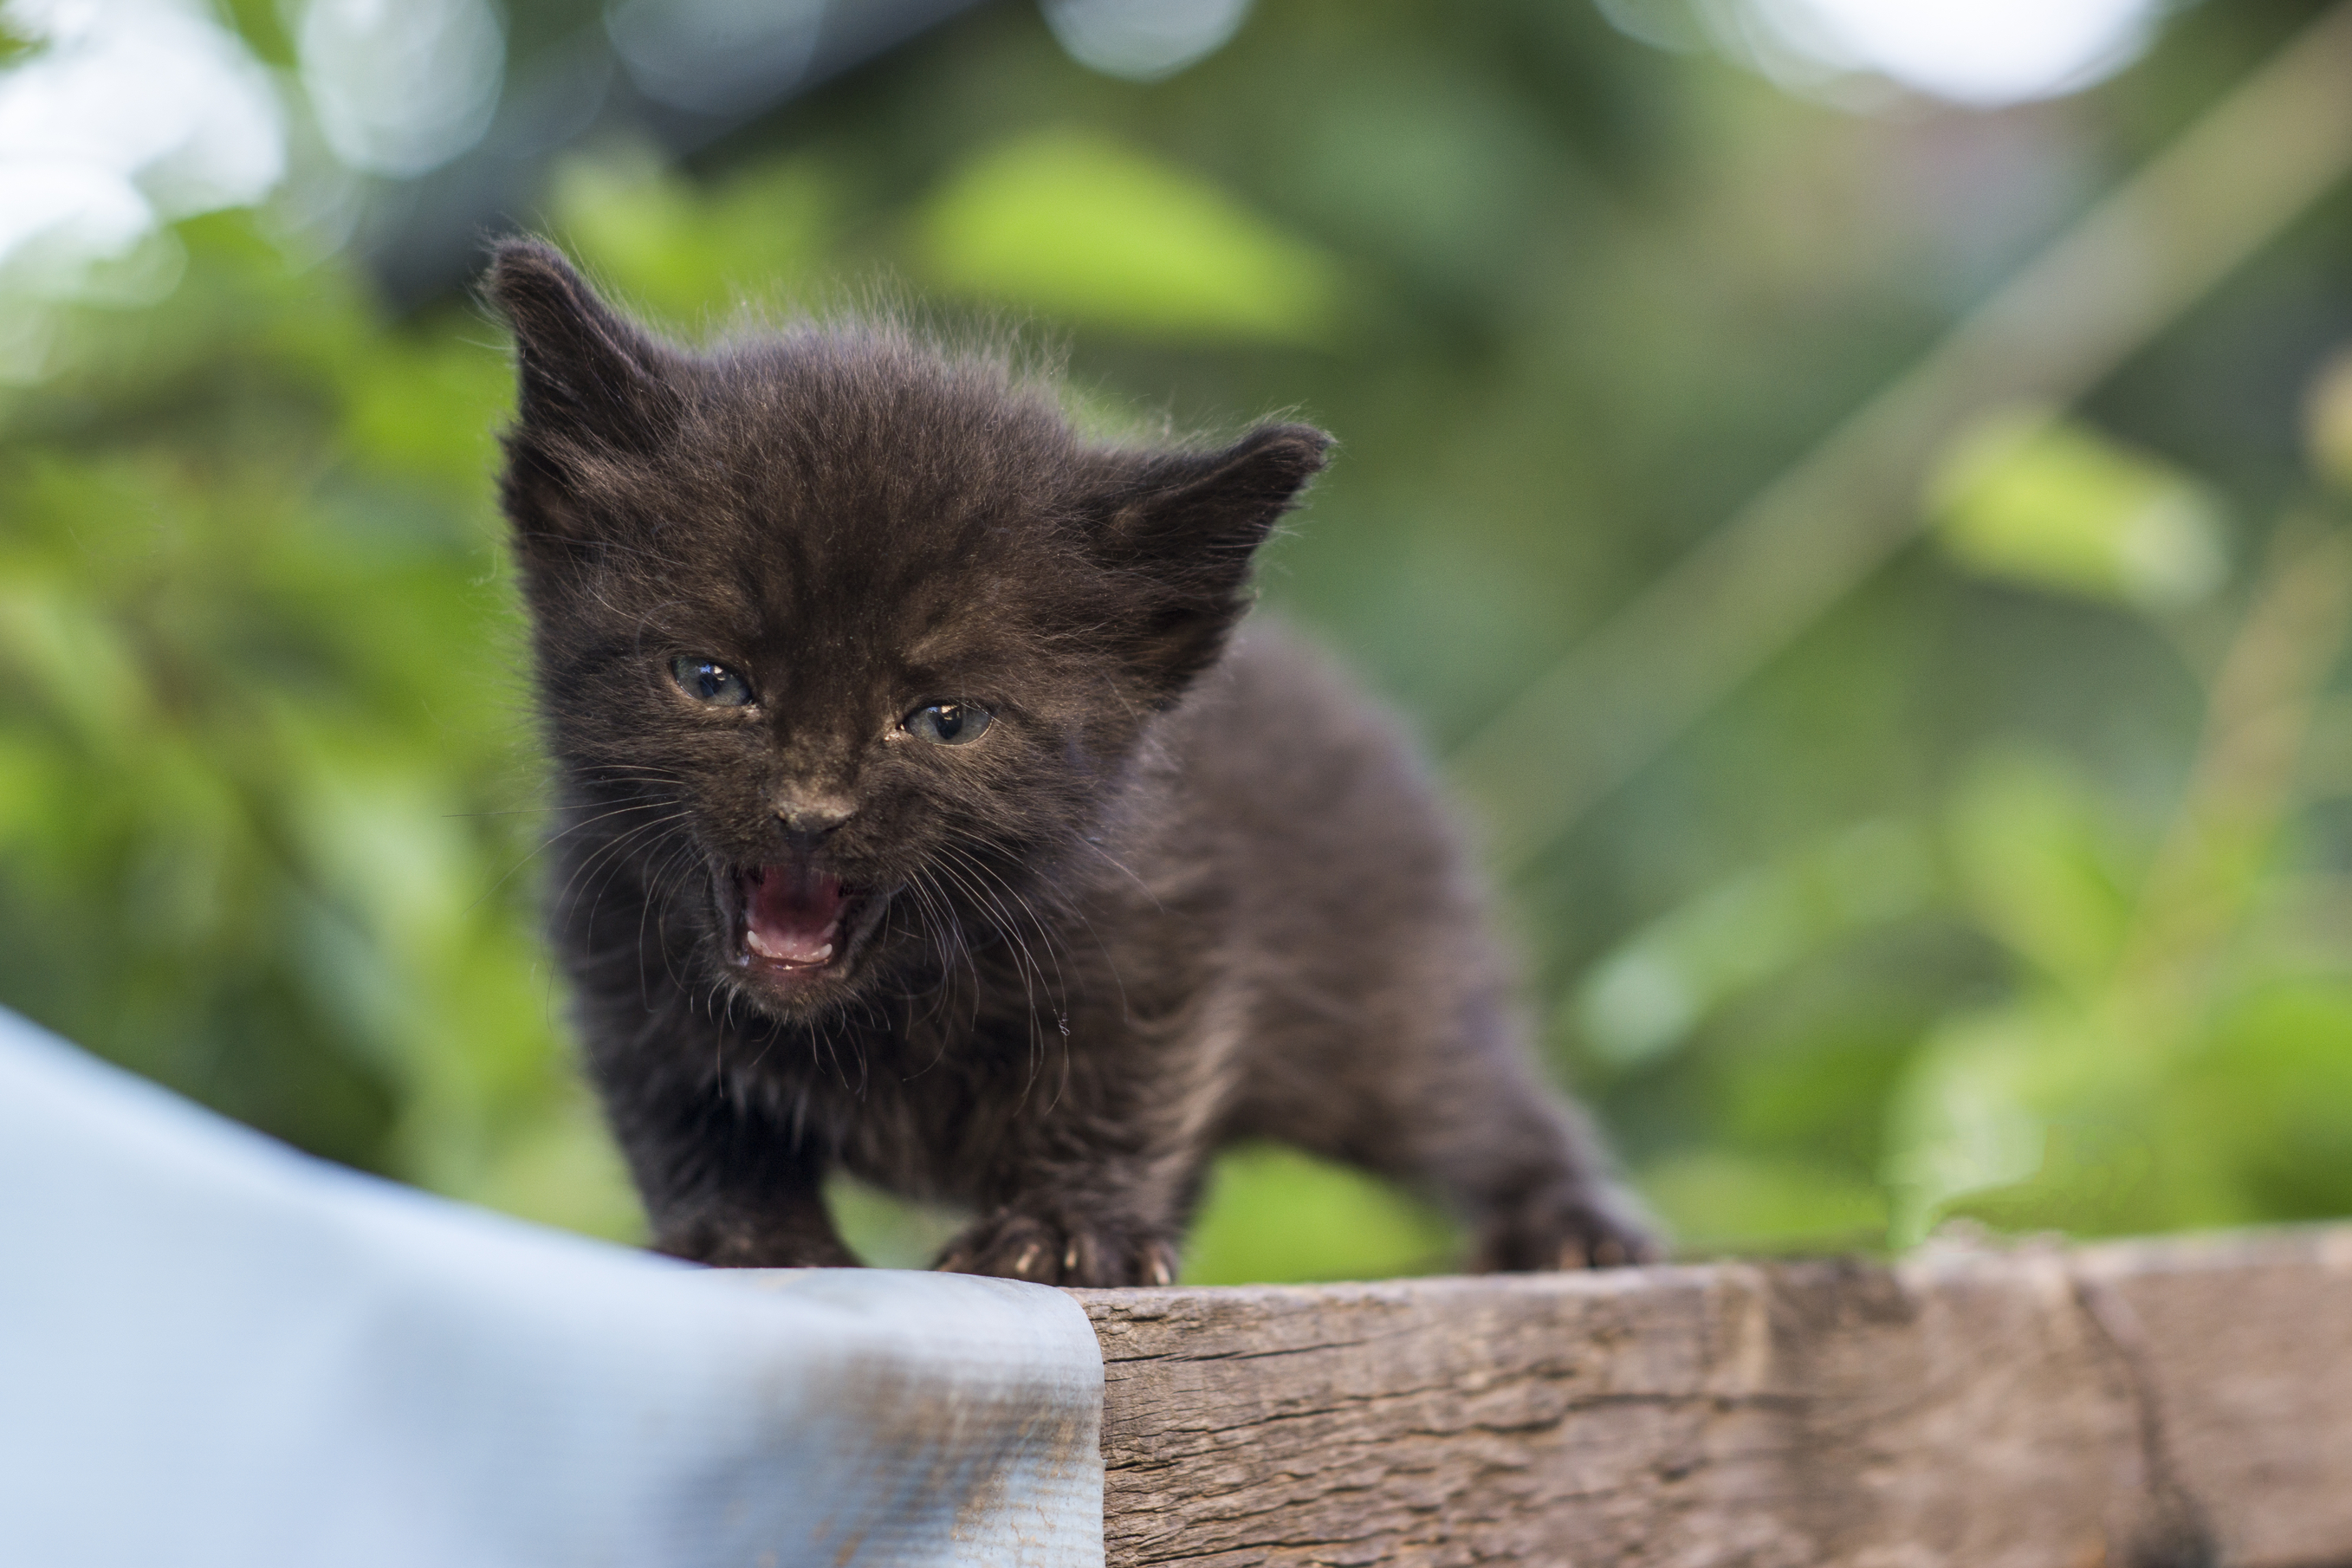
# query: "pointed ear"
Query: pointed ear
595,391
589,375
1187,524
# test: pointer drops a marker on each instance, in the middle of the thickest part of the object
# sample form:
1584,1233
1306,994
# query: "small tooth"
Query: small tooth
765,949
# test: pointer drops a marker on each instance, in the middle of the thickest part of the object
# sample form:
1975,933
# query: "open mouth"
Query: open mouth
792,923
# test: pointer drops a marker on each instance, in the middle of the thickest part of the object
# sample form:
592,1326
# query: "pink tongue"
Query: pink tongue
792,915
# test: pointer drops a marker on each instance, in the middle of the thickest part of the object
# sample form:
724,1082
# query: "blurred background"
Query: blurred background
1852,492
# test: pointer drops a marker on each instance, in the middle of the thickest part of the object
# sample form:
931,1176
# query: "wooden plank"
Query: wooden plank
2242,1347
2151,1404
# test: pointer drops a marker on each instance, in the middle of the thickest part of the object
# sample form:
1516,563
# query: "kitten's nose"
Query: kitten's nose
806,819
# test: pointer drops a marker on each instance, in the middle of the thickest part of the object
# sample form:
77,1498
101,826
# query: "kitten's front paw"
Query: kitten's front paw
1013,1245
1573,1226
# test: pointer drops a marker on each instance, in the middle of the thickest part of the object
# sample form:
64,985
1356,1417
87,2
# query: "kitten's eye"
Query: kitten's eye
710,682
949,723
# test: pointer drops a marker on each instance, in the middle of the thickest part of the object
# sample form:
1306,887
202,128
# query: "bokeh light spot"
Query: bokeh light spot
1982,52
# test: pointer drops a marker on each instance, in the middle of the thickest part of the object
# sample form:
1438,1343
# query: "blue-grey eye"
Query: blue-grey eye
705,680
949,723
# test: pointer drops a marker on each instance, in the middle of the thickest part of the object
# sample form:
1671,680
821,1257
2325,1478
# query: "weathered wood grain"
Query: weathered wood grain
2142,1406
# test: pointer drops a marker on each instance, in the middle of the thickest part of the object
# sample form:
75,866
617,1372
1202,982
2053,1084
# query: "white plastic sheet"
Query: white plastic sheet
214,1350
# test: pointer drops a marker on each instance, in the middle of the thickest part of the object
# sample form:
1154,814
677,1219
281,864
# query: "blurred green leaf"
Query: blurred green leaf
1972,1114
1273,1214
2030,496
1718,1199
70,656
1473,157
426,410
2274,1084
1076,225
559,1166
1644,998
2036,855
689,253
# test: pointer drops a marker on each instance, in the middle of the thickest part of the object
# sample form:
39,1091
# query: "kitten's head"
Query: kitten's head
855,640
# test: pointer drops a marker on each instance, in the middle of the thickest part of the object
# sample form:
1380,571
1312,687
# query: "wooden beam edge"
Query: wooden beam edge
2136,1405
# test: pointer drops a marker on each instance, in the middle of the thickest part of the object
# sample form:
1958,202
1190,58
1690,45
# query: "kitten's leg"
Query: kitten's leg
1526,1169
1080,1203
1536,1194
726,1186
1442,1095
770,1229
1094,1187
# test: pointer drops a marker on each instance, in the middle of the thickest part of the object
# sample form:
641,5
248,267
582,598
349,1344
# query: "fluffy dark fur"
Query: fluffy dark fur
1177,892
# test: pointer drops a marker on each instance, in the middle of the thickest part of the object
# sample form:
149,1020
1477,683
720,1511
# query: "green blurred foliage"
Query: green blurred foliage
2016,888
1082,230
269,801
2046,501
688,255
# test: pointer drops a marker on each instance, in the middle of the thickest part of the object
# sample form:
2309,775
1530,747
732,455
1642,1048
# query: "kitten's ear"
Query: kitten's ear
595,391
1189,523
589,374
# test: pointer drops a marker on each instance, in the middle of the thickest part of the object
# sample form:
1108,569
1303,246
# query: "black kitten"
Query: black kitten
918,818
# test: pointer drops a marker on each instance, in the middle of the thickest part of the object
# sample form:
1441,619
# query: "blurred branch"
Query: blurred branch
2120,275
2242,785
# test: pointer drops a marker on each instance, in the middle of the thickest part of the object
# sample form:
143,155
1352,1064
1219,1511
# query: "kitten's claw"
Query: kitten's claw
1012,1244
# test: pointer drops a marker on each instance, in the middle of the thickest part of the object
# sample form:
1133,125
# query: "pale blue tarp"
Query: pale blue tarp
214,1350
